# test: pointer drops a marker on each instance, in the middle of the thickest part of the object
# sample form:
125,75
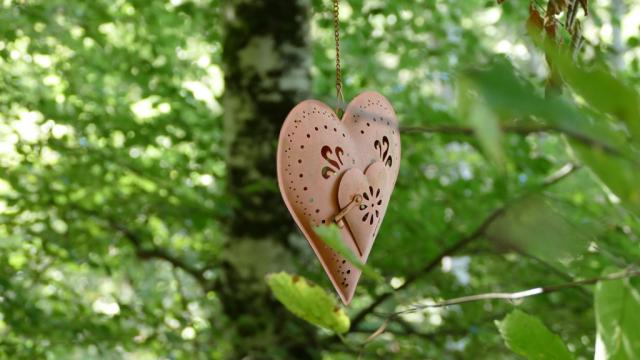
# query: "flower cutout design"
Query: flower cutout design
371,205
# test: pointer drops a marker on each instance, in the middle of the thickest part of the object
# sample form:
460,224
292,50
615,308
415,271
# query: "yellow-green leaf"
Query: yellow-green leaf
308,301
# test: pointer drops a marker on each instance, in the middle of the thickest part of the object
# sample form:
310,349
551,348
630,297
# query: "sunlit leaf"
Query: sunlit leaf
308,301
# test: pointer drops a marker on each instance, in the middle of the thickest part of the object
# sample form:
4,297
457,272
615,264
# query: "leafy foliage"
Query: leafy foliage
308,301
114,170
617,307
526,335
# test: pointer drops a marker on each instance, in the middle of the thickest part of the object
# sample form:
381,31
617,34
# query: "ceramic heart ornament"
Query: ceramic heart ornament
329,166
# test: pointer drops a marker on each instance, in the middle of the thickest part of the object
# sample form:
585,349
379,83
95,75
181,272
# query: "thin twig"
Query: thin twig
502,296
465,130
153,252
432,335
521,294
582,291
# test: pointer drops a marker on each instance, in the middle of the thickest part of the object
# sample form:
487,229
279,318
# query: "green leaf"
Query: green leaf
618,174
483,121
526,335
607,94
598,143
308,301
617,307
510,96
503,90
331,235
534,225
601,90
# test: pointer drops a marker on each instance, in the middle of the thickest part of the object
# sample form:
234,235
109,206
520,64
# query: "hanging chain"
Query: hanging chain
336,29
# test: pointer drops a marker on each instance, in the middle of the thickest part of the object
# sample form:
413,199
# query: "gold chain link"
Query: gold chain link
336,29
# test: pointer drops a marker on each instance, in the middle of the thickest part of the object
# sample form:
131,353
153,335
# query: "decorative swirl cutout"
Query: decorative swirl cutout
334,162
327,172
383,150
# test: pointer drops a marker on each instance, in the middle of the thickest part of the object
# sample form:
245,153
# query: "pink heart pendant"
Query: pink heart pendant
327,166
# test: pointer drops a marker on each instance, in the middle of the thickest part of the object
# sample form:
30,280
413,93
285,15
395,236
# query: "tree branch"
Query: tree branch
468,131
427,336
582,291
431,265
628,273
155,252
522,294
565,171
162,254
433,335
524,129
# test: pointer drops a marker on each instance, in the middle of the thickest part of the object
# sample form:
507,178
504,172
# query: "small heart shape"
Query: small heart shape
316,150
365,218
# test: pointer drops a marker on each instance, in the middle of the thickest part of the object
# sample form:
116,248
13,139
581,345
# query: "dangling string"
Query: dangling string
336,28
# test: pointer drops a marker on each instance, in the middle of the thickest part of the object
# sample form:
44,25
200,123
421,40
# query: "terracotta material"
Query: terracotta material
326,165
364,220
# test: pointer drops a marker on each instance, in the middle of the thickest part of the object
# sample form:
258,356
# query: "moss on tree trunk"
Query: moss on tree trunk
267,63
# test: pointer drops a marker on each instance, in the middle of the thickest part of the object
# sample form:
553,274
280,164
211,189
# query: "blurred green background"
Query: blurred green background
139,211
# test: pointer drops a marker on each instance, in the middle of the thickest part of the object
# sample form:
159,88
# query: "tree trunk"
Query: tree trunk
267,71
